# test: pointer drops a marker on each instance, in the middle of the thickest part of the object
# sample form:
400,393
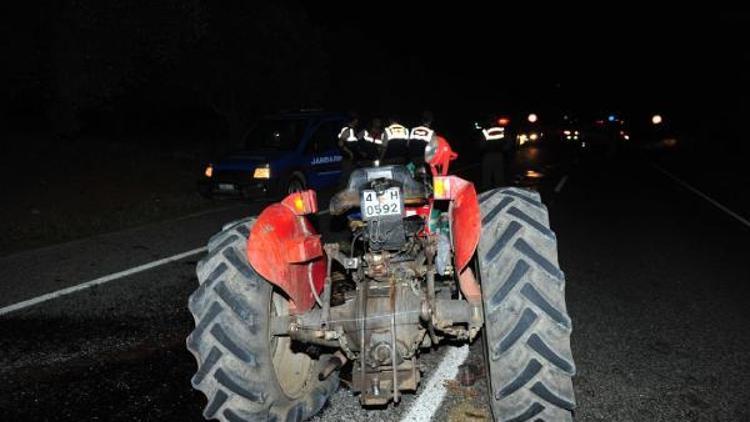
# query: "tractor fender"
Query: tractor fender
285,249
464,216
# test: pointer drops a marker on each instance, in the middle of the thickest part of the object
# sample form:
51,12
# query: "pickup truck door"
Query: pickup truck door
322,156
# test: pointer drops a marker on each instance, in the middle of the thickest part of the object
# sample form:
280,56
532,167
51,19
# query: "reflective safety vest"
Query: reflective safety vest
347,134
365,135
396,131
422,133
493,133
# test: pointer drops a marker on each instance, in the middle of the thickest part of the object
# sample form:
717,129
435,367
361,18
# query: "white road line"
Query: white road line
559,186
712,201
428,401
101,280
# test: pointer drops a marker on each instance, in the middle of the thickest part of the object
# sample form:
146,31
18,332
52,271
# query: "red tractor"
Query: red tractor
278,313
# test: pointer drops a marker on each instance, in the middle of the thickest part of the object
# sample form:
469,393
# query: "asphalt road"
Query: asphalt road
657,287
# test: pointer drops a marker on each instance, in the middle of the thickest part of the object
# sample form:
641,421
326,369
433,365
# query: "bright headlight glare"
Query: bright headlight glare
533,136
209,171
262,172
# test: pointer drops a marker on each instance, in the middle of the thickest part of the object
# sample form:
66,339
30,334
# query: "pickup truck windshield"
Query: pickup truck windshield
275,134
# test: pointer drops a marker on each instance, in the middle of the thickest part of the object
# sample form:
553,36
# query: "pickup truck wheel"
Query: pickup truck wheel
246,373
527,328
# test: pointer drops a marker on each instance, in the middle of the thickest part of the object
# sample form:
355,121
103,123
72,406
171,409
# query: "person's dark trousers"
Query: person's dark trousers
347,166
493,170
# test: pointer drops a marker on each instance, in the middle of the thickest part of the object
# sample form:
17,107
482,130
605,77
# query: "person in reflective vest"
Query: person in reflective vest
419,137
395,130
347,141
395,142
371,140
347,138
494,145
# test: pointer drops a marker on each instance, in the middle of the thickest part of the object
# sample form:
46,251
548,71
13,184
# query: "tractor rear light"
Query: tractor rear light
302,203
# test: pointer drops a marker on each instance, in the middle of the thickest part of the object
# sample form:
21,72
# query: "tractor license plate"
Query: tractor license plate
387,204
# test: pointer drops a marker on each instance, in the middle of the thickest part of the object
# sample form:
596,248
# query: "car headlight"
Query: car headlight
209,171
533,136
262,172
522,139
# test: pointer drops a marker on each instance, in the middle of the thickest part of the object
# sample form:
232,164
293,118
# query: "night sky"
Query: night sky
168,59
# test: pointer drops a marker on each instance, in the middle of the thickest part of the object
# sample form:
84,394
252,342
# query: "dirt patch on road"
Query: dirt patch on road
468,404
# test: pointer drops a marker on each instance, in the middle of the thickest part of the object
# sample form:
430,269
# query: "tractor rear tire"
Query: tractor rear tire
245,373
527,328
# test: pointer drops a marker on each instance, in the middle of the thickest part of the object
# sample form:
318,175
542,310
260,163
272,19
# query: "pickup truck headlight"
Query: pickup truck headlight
262,172
209,171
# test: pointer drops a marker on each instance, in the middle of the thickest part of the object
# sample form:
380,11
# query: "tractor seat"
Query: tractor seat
413,190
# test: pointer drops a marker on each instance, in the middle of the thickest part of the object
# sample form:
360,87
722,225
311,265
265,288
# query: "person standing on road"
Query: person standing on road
395,141
493,147
419,137
371,140
394,130
347,141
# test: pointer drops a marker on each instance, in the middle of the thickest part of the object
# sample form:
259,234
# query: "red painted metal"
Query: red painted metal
284,248
302,203
422,211
443,156
469,286
465,220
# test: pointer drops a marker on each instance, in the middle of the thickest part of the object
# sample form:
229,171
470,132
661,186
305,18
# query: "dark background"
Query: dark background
207,69
110,110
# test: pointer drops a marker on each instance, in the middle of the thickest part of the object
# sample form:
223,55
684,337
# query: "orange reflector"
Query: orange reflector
441,187
302,203
299,204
